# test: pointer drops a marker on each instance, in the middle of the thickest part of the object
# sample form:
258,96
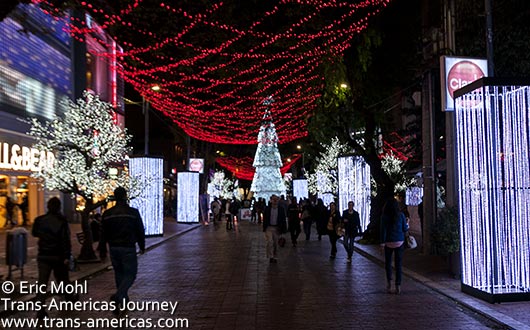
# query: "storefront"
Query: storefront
22,197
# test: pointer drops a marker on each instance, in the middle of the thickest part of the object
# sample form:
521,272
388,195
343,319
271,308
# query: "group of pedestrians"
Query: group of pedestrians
9,205
121,229
282,217
279,219
226,209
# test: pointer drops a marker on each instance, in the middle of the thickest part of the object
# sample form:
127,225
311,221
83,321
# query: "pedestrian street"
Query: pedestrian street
222,280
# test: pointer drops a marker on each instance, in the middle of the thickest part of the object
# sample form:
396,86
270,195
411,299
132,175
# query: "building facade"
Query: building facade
41,64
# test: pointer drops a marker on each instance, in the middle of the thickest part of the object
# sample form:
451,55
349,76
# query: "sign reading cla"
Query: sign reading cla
461,74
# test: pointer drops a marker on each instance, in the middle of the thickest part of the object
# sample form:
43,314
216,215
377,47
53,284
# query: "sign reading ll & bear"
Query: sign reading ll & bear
20,158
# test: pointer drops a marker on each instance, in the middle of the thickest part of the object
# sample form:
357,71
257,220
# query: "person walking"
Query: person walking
23,206
54,249
352,228
320,214
228,214
331,226
293,214
215,206
274,224
307,218
122,230
393,228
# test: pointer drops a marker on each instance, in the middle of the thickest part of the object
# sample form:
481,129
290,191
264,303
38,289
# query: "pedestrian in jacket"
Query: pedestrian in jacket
122,230
393,228
274,224
293,213
55,249
331,226
352,228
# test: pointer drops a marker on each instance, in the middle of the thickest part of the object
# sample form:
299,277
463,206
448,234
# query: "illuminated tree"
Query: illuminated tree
395,168
87,143
325,178
221,186
267,178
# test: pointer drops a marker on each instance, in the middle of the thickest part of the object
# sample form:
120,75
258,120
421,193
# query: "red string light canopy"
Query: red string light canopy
242,168
216,63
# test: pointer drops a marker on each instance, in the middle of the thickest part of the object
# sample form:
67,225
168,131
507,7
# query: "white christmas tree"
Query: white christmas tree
324,182
87,144
267,178
222,187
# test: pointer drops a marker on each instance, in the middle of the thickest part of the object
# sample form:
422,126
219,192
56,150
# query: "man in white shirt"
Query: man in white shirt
274,223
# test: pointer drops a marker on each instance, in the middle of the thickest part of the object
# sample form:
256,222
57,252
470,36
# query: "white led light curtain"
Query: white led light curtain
188,197
150,203
300,189
493,165
354,185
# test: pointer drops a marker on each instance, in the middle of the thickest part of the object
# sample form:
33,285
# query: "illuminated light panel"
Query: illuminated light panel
354,185
188,197
322,187
413,196
150,203
493,164
300,189
213,91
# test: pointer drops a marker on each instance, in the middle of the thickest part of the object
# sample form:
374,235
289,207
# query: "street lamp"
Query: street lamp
299,147
145,110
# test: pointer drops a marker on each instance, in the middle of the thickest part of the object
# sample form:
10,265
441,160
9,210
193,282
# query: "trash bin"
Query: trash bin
17,249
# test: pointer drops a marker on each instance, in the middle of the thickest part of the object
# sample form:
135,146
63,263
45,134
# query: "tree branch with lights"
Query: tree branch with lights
86,143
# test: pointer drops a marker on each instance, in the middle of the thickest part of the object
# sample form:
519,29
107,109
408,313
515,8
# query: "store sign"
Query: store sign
196,165
457,72
21,158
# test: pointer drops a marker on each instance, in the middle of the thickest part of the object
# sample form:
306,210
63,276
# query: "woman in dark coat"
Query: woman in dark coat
394,225
331,226
293,214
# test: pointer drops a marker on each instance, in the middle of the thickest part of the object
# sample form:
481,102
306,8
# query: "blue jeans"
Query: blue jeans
348,244
125,266
398,258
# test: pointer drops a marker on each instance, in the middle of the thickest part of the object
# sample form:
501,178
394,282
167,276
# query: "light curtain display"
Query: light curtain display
300,189
150,202
493,164
188,197
413,196
354,185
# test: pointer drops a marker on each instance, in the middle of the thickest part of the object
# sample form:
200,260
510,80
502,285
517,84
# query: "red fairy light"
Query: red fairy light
214,91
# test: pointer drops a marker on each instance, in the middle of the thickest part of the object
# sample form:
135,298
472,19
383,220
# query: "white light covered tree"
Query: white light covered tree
222,187
325,178
395,168
267,161
86,143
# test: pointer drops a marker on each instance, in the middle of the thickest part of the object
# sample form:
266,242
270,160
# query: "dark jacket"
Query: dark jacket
54,235
393,231
294,217
352,223
282,219
123,226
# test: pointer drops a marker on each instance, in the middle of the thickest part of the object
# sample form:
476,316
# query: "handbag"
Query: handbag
340,230
329,226
281,241
410,242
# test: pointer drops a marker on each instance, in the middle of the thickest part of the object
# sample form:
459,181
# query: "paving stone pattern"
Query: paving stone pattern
222,280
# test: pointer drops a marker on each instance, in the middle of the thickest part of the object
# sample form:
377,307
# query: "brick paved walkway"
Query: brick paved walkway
222,280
